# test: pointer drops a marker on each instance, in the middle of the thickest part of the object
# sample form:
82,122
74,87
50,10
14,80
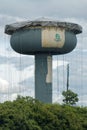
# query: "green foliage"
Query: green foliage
70,97
26,113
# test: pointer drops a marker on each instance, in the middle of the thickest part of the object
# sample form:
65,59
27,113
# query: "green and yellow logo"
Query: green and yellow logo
57,37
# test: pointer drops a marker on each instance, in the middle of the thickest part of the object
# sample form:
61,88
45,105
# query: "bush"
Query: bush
30,114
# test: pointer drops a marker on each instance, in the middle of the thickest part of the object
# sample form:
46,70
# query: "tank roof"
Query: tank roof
42,22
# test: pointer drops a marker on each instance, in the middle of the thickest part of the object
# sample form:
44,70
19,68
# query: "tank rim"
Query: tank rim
11,28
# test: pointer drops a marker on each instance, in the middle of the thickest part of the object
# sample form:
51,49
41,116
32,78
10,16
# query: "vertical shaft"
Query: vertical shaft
43,77
67,77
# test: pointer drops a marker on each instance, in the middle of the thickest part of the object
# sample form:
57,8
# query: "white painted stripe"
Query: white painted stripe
49,74
53,37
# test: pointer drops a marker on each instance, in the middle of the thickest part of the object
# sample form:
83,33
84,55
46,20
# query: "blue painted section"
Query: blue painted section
43,90
29,42
70,42
26,41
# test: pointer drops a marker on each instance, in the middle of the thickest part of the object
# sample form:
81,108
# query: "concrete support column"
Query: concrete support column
43,77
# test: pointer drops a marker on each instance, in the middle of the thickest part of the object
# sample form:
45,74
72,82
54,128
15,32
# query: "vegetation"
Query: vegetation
70,98
30,114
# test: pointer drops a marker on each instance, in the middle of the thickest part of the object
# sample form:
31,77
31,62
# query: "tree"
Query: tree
70,97
26,113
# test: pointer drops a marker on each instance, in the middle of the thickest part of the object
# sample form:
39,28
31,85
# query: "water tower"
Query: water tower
43,38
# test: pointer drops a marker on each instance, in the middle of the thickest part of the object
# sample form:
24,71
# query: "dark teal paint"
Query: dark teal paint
70,42
26,41
30,42
43,90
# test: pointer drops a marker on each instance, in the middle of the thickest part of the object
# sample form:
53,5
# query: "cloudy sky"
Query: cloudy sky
17,71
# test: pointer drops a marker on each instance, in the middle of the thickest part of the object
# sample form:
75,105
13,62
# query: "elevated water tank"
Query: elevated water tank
43,38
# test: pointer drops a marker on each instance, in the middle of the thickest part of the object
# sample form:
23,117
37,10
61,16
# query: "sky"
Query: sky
17,78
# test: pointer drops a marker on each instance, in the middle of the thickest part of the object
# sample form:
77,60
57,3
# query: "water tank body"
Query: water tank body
43,40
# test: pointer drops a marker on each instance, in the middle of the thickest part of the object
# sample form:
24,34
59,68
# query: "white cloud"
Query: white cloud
4,85
59,63
13,96
8,97
82,100
57,97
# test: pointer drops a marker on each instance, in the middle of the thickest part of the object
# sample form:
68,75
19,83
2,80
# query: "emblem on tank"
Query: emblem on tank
57,37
